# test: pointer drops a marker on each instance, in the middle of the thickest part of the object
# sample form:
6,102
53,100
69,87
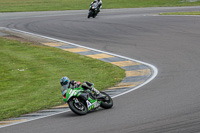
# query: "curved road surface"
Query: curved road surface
168,104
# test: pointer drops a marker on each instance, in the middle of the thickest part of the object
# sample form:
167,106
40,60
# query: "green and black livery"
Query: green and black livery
81,101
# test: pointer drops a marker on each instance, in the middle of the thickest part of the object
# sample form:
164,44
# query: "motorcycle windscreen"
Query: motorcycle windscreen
94,5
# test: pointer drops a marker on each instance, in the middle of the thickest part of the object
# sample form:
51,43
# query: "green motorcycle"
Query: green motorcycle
93,11
81,101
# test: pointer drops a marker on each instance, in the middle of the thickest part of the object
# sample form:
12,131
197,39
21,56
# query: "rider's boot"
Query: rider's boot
98,94
95,91
90,86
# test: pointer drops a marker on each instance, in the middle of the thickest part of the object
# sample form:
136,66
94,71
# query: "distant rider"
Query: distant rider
99,4
66,83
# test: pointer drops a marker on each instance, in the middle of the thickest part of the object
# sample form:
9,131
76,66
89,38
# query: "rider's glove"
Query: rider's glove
72,82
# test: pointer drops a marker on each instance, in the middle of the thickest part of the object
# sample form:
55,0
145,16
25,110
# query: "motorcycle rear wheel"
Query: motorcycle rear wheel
78,108
106,104
94,15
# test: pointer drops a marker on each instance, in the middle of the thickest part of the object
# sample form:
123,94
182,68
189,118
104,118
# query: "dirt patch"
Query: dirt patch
22,40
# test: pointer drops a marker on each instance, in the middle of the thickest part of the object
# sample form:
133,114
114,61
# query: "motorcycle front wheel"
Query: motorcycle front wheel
89,14
78,107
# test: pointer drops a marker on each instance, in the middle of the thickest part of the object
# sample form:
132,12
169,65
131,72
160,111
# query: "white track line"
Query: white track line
155,70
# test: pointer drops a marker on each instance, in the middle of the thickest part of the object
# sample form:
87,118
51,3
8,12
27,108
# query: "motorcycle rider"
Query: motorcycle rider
66,83
99,4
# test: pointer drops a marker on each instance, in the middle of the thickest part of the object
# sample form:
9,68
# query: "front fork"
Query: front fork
76,100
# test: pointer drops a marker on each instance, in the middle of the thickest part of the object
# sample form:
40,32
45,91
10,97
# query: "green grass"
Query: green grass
181,13
30,75
50,5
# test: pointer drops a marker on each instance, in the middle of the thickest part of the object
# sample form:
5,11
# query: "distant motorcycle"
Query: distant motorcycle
93,11
81,101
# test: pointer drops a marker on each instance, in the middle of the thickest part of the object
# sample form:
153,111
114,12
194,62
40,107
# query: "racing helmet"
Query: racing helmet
64,81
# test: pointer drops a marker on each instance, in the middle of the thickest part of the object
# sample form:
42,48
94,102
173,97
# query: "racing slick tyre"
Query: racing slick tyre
89,14
107,103
78,107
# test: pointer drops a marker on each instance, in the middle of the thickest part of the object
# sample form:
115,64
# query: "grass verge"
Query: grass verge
181,13
30,75
55,5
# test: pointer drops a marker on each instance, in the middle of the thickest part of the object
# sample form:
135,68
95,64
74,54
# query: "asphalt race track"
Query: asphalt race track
168,104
